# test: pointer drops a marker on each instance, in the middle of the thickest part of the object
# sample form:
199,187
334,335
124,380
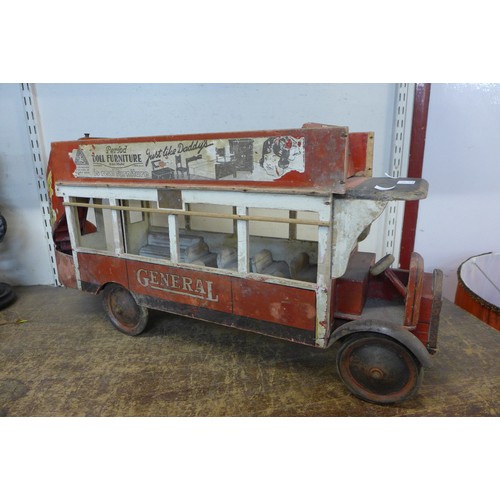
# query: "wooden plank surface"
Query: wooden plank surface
65,359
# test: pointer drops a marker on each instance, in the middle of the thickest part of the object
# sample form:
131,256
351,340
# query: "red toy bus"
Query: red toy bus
255,230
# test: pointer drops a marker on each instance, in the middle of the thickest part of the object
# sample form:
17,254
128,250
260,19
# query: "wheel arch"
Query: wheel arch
101,287
396,332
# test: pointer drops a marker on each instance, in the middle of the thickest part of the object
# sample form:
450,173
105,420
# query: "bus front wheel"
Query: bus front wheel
123,310
378,369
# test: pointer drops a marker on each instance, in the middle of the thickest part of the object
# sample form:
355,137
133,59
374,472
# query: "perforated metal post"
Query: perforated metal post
399,165
39,161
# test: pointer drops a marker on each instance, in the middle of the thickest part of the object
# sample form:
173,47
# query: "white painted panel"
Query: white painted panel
351,217
143,194
259,200
173,233
461,216
243,241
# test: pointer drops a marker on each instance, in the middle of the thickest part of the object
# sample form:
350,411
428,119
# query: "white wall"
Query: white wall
24,255
67,111
461,216
125,110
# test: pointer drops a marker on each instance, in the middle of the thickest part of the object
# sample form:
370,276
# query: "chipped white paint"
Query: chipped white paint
173,232
71,218
295,202
324,281
351,217
283,201
243,241
106,192
115,228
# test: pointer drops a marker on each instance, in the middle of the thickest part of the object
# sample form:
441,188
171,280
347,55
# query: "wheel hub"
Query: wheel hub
376,373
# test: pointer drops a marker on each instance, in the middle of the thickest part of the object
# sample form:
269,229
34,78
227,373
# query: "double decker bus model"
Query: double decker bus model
254,230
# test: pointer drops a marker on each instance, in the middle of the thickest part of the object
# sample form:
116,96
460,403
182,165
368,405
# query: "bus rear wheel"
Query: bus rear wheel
378,369
123,310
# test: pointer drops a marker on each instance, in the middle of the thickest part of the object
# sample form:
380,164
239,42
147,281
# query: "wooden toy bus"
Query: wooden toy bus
255,230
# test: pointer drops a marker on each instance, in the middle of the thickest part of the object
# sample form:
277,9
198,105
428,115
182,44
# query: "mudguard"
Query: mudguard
388,329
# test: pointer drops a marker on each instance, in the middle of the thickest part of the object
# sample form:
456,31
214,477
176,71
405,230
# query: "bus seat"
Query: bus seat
301,268
263,263
193,249
209,260
227,258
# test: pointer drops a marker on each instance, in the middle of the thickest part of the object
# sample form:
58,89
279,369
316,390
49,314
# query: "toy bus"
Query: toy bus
255,230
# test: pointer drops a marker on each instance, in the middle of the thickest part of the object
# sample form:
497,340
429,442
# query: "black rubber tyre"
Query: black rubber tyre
378,369
123,310
7,295
3,227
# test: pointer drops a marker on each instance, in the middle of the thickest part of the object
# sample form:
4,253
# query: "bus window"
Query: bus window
136,217
136,224
96,231
272,229
213,232
275,248
307,232
153,234
213,225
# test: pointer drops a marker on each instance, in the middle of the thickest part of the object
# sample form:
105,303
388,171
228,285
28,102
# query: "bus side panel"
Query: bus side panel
66,272
275,303
97,270
178,285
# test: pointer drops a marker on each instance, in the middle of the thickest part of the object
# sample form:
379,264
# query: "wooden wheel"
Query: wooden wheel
123,310
378,369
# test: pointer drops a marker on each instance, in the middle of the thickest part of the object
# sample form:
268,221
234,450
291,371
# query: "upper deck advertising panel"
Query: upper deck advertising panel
246,159
307,158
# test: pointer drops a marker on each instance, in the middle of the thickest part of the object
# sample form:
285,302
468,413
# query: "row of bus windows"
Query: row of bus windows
279,249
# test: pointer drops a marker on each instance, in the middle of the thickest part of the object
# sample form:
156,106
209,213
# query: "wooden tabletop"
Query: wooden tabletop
60,356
